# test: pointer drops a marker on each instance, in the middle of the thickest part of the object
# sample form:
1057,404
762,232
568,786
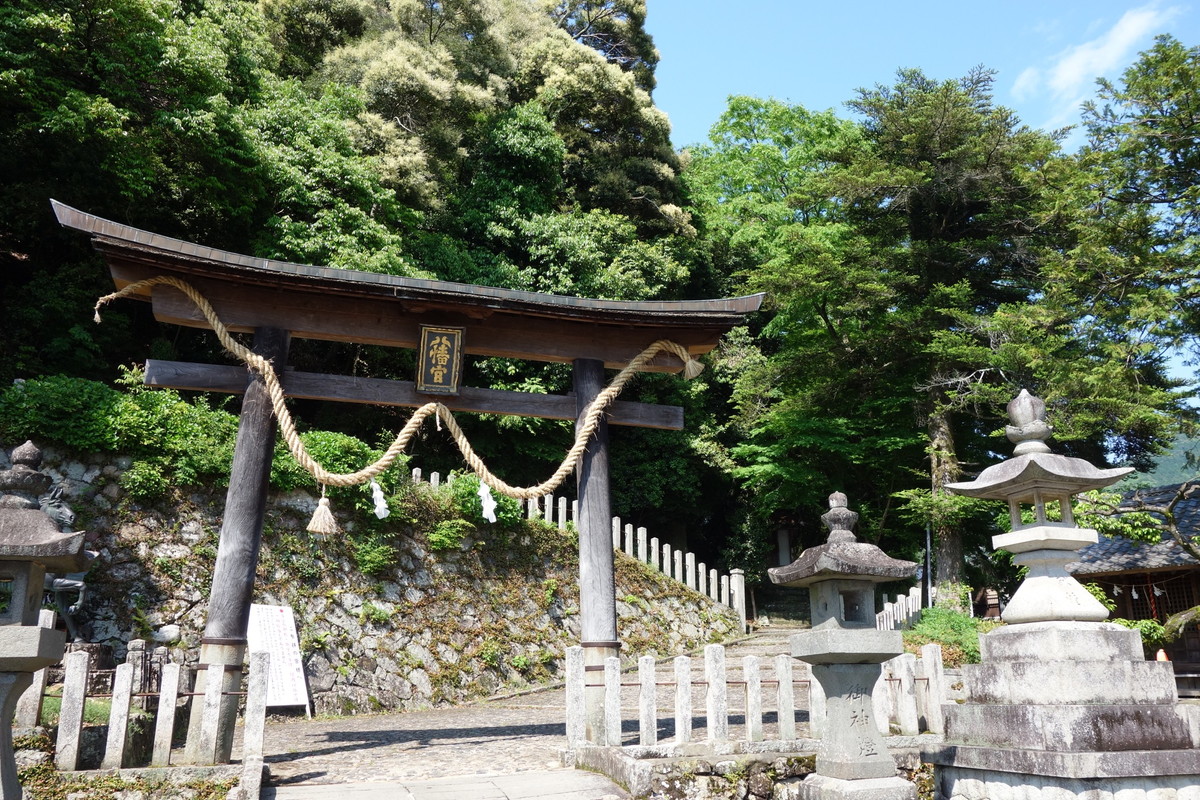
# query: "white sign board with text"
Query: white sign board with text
273,629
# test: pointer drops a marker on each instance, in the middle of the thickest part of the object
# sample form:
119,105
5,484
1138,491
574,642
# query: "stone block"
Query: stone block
821,787
1068,728
1061,641
847,646
1071,771
1070,682
1045,537
28,649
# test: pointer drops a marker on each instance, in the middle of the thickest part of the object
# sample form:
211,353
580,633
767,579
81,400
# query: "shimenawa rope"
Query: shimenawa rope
323,521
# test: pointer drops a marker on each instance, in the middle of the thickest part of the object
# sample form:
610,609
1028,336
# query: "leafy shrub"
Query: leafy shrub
170,439
956,632
466,499
374,556
373,613
448,534
144,480
490,652
72,412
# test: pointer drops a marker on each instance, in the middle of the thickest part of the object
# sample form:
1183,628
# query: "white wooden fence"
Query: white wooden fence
903,612
908,699
134,690
728,589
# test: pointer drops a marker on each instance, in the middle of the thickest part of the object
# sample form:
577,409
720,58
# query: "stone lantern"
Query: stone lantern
1063,704
846,651
30,543
1036,477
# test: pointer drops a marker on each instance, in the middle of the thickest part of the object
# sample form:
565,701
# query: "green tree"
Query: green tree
905,267
614,28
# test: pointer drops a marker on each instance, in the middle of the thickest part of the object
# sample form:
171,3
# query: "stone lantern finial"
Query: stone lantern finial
1029,429
840,519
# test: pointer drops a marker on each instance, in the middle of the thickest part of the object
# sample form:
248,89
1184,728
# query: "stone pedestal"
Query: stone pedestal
1065,709
1063,704
853,760
12,686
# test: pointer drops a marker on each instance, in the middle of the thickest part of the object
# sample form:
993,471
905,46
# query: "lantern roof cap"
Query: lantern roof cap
1034,472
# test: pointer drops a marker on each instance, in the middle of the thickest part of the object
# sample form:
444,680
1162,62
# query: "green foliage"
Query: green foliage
957,633
1097,591
374,614
374,556
172,441
549,592
465,492
61,410
490,653
449,534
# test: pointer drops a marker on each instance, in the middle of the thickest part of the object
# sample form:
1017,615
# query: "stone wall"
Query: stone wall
493,614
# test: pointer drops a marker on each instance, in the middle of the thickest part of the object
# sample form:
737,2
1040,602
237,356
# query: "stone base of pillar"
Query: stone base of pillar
230,656
594,656
956,783
822,787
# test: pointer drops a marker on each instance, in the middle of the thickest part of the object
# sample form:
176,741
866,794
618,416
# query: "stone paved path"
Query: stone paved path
500,749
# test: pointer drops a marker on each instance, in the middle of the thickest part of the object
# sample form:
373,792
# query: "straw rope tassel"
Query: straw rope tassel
323,522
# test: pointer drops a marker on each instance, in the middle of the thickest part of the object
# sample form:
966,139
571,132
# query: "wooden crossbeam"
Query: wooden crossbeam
377,391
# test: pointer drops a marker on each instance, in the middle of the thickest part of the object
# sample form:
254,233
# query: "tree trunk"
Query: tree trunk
944,469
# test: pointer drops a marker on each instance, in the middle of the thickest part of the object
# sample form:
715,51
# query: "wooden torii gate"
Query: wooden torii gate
277,300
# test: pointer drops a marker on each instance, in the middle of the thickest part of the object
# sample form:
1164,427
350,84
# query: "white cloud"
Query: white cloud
1077,67
1065,81
1026,84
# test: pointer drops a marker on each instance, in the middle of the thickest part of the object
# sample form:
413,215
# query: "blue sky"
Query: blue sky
1047,54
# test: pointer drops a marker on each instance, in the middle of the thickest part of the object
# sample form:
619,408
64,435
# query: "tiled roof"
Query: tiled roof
1118,554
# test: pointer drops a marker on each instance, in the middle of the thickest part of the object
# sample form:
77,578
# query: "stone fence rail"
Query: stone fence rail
728,589
774,695
144,687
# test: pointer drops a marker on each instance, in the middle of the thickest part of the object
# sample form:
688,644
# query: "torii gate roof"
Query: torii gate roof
348,305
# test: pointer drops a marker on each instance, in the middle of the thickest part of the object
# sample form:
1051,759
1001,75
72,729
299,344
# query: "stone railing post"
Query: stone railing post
29,707
683,699
612,701
647,702
935,687
118,717
576,704
173,676
70,715
753,680
737,589
255,723
717,697
786,697
904,671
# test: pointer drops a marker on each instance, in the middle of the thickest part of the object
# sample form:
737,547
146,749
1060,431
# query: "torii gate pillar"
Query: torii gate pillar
224,641
597,584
